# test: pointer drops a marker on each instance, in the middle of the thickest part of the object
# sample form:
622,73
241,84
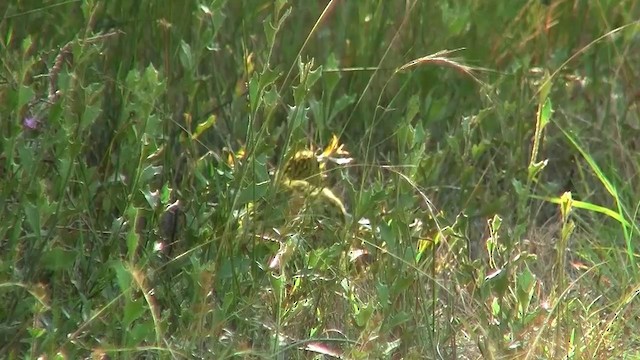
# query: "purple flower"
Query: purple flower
30,122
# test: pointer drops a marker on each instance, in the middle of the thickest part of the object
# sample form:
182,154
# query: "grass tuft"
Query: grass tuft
297,180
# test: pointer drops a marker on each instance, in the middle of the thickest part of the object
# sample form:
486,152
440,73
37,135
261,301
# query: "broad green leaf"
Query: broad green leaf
57,259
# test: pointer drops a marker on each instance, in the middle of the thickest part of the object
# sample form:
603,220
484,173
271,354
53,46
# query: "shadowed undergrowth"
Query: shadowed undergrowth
293,179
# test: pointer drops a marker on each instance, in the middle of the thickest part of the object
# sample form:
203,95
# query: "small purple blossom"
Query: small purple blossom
30,122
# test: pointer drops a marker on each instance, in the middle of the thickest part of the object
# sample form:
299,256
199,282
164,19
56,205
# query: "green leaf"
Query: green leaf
269,29
140,333
342,103
25,95
150,76
413,108
499,281
545,88
252,193
297,117
525,283
27,158
535,168
313,76
388,235
495,307
383,294
89,116
279,4
268,77
398,319
133,239
588,206
152,197
254,92
363,314
420,137
330,78
404,136
271,98
123,276
545,114
477,150
400,285
58,259
133,310
203,126
26,44
33,217
186,56
149,173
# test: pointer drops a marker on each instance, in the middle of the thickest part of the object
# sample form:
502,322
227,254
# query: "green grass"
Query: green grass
489,169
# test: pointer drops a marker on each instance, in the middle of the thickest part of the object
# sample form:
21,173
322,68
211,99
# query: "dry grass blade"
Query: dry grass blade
441,58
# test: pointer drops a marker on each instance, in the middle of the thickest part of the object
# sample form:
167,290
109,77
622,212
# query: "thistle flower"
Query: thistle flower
31,122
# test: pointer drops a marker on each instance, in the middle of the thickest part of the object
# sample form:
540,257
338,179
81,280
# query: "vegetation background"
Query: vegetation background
489,171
